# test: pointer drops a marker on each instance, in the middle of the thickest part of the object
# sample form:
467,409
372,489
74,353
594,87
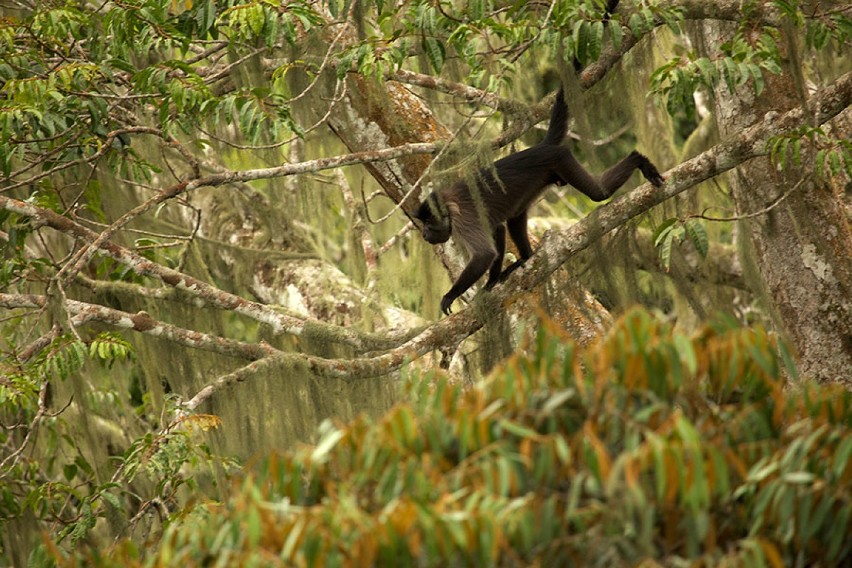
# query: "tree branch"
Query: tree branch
144,323
315,165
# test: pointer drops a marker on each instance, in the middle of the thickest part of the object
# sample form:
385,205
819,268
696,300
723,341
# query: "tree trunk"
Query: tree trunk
795,229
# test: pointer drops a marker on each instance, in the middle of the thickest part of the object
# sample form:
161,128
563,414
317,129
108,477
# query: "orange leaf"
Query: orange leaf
771,553
602,455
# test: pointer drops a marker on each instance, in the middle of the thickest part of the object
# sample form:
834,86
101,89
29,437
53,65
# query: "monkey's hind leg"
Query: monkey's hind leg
572,172
518,231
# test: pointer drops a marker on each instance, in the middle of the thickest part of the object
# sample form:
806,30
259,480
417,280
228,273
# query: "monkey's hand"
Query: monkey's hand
446,303
650,172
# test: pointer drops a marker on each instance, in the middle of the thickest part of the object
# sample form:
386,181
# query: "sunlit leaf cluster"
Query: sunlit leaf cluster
828,28
66,487
163,454
57,487
751,52
268,21
676,81
649,444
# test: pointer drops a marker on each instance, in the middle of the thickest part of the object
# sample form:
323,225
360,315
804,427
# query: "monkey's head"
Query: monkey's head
435,216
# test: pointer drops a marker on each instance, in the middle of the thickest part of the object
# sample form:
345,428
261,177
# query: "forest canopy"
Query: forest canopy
209,250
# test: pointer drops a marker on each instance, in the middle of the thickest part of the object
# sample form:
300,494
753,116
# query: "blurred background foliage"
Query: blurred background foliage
648,447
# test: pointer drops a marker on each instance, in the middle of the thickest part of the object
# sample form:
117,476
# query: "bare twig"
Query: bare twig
5,465
754,214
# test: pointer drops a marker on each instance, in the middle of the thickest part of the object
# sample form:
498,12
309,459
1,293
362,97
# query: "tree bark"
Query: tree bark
800,245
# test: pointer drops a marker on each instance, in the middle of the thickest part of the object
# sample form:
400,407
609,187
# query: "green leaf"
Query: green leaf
819,162
253,526
557,399
757,74
636,24
596,40
762,470
476,9
707,70
579,36
842,457
688,433
112,499
664,228
435,52
504,469
797,151
617,34
69,470
697,235
834,163
333,7
518,429
839,532
665,246
205,15
686,351
799,477
730,72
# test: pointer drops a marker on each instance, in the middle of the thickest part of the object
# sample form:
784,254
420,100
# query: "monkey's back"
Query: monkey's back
512,184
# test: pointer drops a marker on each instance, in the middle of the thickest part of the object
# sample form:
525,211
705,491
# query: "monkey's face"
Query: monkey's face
437,233
436,221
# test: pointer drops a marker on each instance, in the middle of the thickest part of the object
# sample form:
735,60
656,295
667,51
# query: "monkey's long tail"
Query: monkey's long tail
559,115
558,121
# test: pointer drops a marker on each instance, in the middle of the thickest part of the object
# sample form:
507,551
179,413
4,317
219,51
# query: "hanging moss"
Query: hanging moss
496,339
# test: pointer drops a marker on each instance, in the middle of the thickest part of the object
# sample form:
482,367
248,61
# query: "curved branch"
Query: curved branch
312,165
144,323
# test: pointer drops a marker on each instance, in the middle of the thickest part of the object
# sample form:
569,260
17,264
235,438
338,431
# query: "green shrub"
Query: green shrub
648,446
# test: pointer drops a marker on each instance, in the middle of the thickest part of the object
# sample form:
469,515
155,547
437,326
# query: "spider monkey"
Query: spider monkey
478,213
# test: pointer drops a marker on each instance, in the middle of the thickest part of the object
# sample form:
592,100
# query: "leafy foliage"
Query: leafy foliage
57,98
674,231
487,37
649,444
747,56
66,489
832,156
742,61
829,30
